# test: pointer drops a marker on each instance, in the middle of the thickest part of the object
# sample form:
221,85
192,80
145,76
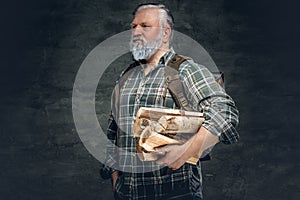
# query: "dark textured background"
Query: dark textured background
43,43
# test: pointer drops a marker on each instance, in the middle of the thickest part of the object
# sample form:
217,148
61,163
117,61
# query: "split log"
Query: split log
156,127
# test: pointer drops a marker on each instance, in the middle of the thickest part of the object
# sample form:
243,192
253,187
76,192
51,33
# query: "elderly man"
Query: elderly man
169,176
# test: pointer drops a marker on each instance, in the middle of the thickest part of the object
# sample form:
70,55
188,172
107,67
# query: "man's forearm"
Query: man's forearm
203,140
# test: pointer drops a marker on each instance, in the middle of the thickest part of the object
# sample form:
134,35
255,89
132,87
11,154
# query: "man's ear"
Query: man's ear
166,34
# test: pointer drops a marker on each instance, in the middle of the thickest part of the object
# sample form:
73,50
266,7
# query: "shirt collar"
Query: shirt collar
167,56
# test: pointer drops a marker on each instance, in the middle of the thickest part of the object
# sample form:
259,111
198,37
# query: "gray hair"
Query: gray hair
165,16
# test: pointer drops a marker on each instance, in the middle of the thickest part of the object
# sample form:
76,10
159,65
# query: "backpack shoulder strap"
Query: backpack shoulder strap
176,61
173,82
124,75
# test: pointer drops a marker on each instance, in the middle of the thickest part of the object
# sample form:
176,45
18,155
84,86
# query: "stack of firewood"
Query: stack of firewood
156,127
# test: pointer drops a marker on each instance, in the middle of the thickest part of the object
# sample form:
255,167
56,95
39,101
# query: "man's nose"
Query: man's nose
137,30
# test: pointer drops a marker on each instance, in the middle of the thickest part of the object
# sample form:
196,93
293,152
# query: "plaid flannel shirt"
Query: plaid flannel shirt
204,94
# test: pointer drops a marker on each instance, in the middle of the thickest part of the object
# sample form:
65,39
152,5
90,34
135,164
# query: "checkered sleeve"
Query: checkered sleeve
207,96
111,151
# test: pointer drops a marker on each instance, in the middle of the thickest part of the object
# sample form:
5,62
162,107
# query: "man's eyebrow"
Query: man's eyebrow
142,24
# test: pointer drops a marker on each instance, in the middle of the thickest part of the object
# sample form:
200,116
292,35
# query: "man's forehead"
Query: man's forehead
146,15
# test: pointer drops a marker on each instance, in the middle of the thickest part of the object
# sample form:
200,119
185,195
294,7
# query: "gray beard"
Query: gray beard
146,49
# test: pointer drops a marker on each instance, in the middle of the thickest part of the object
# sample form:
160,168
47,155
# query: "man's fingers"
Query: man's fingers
161,161
162,150
114,177
165,161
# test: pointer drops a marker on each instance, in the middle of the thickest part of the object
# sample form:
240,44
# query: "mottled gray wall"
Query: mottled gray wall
43,44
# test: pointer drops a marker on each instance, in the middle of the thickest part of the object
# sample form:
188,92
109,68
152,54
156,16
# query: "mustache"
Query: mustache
138,38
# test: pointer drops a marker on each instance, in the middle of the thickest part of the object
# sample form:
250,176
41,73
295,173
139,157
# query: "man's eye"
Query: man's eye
133,26
146,27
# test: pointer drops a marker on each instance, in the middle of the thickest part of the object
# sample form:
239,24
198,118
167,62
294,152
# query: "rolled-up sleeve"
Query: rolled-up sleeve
207,96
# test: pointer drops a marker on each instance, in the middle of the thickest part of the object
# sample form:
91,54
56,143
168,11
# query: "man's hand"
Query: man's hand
114,177
177,155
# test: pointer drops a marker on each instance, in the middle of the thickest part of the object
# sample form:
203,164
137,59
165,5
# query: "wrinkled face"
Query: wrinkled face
146,36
